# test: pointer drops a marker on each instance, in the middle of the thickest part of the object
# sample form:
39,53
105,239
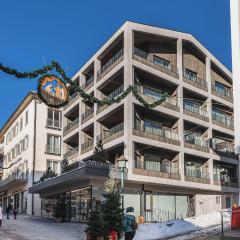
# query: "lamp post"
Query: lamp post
122,165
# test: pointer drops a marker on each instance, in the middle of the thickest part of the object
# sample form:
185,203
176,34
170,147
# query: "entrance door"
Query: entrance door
228,202
148,206
16,201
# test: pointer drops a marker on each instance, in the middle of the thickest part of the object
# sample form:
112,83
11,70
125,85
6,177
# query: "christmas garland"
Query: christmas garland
87,97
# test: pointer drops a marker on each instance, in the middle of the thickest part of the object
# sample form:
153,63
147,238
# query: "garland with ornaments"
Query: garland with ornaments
66,81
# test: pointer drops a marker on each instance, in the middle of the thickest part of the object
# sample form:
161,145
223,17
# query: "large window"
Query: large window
152,92
162,62
152,127
222,89
54,118
53,144
191,75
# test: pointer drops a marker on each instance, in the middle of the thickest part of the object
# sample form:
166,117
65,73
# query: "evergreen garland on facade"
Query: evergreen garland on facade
87,97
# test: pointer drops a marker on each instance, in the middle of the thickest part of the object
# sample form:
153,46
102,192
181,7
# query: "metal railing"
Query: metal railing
224,92
87,145
196,141
105,136
195,110
195,80
157,166
70,126
116,92
117,56
170,100
226,181
70,153
226,147
226,120
197,174
51,149
72,99
88,82
87,114
170,69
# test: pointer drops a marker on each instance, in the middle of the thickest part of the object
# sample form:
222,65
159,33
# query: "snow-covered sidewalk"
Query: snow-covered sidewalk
33,228
197,226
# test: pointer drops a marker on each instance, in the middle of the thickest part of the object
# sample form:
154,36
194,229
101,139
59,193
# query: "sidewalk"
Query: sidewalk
34,228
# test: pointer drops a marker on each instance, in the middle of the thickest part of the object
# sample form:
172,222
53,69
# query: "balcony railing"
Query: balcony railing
111,134
196,144
156,169
53,123
225,181
197,176
73,153
72,99
222,93
87,115
51,149
195,81
157,134
71,126
89,82
147,58
107,67
87,146
170,102
113,94
195,112
225,147
226,121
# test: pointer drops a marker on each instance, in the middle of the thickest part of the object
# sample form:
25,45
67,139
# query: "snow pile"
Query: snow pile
153,231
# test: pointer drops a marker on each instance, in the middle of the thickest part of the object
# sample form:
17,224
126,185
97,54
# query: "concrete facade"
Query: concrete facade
26,153
194,141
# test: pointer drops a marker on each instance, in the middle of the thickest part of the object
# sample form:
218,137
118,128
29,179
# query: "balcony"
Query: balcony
195,112
197,176
112,63
71,126
54,150
195,81
71,99
222,93
169,103
165,136
224,147
113,94
196,143
223,121
71,154
113,133
156,169
88,84
147,59
87,146
53,123
225,181
87,115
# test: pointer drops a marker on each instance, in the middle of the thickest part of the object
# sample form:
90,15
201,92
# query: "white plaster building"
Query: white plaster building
180,155
31,142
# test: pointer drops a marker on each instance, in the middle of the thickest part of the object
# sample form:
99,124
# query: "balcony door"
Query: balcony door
53,144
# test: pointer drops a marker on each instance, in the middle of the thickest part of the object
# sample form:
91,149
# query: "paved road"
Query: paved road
31,228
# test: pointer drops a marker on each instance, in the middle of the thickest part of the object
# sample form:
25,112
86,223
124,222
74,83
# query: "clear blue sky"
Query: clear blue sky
71,31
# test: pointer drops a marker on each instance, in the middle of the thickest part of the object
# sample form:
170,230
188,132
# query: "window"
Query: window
191,106
152,92
25,143
153,127
54,118
54,165
162,62
26,117
217,200
53,144
191,75
21,124
222,89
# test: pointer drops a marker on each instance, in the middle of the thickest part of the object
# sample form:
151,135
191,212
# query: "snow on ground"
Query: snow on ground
177,227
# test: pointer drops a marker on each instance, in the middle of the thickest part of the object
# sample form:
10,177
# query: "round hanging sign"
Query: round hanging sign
53,91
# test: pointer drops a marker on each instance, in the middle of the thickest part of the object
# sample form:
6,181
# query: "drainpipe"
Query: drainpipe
34,150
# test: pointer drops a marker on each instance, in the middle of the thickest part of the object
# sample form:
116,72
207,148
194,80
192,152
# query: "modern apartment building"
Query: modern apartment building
30,142
181,159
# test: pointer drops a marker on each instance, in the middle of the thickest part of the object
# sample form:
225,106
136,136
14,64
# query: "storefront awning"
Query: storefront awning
11,182
77,178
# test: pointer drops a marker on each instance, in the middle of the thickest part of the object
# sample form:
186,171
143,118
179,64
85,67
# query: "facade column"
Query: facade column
180,102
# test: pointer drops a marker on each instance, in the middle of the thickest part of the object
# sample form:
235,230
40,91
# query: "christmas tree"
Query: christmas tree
48,174
95,224
111,207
